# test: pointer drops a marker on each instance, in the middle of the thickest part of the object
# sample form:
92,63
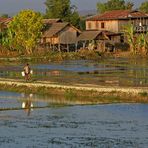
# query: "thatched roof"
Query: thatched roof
51,21
94,35
88,35
54,29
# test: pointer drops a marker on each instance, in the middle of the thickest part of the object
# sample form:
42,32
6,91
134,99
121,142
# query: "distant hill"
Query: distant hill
87,12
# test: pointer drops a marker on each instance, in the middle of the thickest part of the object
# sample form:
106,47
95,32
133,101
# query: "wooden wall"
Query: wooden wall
65,36
68,35
111,25
135,22
114,25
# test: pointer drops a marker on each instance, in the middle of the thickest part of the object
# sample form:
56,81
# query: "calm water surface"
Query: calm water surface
55,125
110,71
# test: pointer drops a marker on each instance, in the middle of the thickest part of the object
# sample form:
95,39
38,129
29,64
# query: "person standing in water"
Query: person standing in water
27,71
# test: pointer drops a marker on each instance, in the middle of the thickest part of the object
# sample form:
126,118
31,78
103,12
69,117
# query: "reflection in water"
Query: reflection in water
97,126
110,71
27,105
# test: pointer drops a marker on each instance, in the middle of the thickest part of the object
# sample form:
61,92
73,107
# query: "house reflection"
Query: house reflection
27,104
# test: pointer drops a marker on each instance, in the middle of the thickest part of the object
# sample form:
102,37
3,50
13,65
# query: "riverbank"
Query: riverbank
96,94
51,56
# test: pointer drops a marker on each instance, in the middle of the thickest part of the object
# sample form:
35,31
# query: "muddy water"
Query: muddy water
28,120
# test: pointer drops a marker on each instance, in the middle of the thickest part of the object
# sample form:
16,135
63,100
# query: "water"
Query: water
110,71
60,125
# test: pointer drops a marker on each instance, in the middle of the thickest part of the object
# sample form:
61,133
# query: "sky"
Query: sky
14,6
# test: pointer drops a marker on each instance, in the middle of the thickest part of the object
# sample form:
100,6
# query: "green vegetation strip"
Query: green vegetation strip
94,94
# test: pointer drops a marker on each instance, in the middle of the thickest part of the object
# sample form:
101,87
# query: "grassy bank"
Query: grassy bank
50,56
53,56
91,94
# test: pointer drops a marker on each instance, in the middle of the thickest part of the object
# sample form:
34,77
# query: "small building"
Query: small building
60,34
95,39
115,20
47,23
87,38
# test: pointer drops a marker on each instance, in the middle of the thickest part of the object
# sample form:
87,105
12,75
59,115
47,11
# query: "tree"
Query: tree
114,5
62,9
25,30
129,5
82,23
58,9
4,16
4,39
144,7
101,7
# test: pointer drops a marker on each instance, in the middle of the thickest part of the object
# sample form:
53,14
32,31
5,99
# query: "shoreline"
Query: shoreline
96,94
85,87
48,57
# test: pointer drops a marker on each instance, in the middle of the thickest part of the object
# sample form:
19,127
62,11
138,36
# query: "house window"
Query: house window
102,25
89,25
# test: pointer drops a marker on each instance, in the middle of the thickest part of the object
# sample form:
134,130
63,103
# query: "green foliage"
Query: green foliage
138,43
144,7
88,54
3,38
62,9
82,23
58,9
70,94
5,41
75,19
25,30
129,33
101,7
143,94
113,5
143,43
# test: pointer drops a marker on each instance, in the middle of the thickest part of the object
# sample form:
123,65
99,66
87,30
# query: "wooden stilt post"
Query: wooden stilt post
76,46
59,47
67,47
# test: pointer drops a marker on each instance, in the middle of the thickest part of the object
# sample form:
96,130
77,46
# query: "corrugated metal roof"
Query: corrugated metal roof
118,14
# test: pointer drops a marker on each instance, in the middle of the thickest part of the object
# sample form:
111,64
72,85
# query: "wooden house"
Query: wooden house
115,20
92,39
60,34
